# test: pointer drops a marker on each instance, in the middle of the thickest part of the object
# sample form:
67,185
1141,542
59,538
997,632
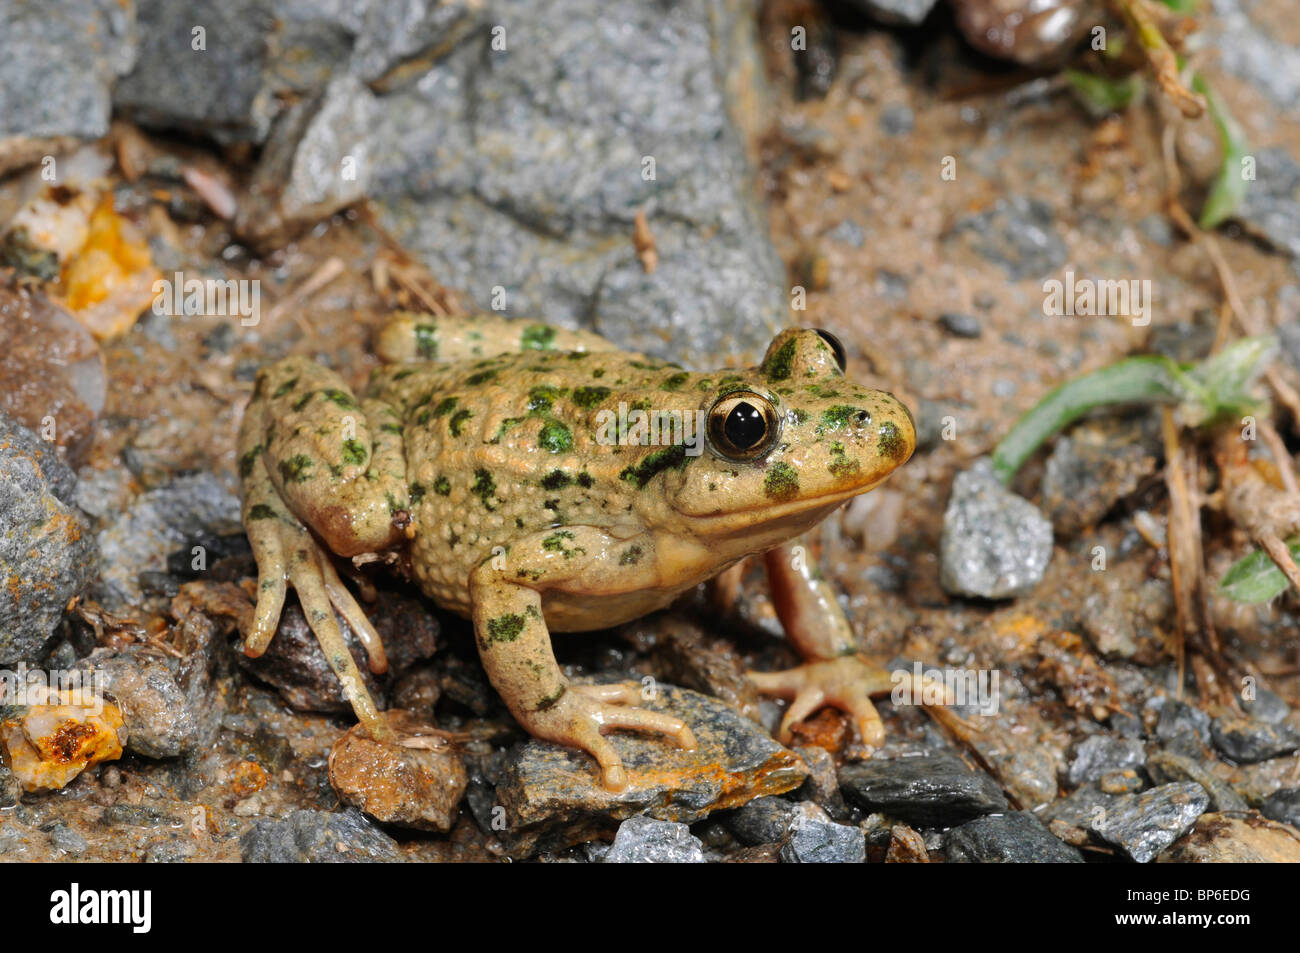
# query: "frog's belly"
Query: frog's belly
571,611
575,612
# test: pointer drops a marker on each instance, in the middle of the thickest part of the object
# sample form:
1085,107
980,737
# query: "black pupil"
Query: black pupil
745,426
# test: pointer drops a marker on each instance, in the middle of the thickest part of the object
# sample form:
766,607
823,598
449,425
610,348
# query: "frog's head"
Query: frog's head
787,442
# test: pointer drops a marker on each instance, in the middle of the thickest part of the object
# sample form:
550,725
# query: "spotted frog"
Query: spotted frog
537,479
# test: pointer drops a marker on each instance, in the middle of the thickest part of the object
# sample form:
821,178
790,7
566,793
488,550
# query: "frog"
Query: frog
538,479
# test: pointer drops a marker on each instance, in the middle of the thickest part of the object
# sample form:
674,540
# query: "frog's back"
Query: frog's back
503,447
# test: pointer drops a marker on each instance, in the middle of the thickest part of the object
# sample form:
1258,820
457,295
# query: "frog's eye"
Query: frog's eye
743,426
836,348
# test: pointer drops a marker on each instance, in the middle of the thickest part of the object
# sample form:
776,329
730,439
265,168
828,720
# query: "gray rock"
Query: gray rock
1246,741
1283,805
823,784
1098,464
1167,766
644,840
523,169
46,552
910,12
1016,233
935,790
317,161
1244,46
1080,808
220,91
961,325
1183,729
995,544
318,837
158,522
1128,623
897,120
1142,825
64,838
1015,838
1270,208
813,838
1100,755
553,797
58,62
167,703
396,42
763,820
173,850
1266,706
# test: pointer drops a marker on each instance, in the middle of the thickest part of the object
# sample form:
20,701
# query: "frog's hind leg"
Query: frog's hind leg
515,646
409,338
834,672
330,470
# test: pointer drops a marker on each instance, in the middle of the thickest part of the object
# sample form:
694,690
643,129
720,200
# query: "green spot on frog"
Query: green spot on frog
586,480
780,363
296,469
404,373
781,482
426,341
890,440
841,415
556,480
248,460
482,377
340,398
631,556
354,452
555,437
442,486
675,381
551,700
416,493
589,397
304,400
260,511
284,388
445,406
654,463
458,421
505,627
391,428
798,416
537,337
484,488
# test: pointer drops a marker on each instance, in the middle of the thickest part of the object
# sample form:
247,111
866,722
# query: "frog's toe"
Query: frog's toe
341,599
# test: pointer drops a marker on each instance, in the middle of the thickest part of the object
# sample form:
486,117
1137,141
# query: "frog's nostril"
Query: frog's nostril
864,418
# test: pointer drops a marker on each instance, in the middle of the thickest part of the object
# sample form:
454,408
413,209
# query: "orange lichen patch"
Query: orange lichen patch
1018,633
109,282
248,778
827,729
46,746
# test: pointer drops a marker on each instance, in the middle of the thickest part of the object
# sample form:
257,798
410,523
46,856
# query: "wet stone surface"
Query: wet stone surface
935,790
1142,825
645,840
553,797
1015,838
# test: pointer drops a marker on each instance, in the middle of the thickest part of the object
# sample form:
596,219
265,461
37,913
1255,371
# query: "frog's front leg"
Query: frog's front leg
515,645
320,472
834,673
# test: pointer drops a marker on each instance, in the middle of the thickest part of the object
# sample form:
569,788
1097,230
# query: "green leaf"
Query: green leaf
1217,388
1147,379
1255,578
1229,186
1101,95
1181,6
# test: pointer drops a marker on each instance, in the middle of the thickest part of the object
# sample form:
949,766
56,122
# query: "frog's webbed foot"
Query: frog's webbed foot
586,713
848,683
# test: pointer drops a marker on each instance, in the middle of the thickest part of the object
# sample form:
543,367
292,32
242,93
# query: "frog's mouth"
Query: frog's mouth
781,520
